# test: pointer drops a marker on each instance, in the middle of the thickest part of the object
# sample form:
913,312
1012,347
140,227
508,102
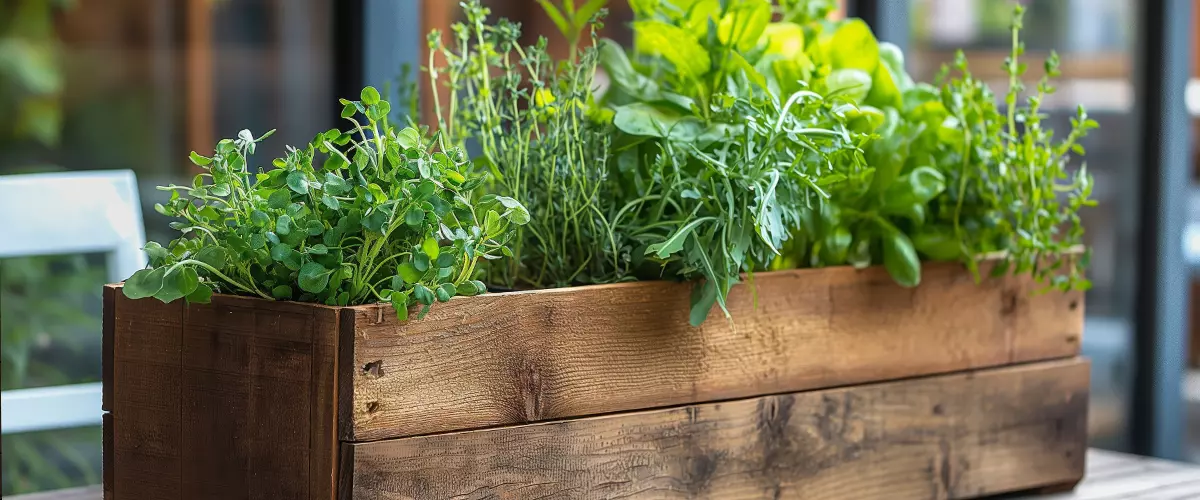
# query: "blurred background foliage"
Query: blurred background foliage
49,305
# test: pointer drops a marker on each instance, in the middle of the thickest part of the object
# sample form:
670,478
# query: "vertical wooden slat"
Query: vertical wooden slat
323,443
146,404
247,396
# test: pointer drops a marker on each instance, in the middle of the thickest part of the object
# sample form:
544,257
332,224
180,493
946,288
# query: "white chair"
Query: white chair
68,213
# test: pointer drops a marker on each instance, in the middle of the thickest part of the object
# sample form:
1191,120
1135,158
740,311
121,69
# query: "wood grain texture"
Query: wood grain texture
948,436
511,358
145,395
252,392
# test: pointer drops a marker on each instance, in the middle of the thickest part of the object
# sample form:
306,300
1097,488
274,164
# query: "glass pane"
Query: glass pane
52,312
131,84
1095,39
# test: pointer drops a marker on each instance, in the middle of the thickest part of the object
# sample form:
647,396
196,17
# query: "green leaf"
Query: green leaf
330,202
221,189
259,218
704,295
178,284
213,256
409,138
465,289
409,273
937,245
421,262
414,217
491,224
279,199
675,243
645,119
202,295
199,160
555,16
282,292
445,292
297,182
516,212
313,277
144,283
431,248
400,305
917,187
369,96
854,46
375,220
900,258
318,249
156,252
744,23
315,227
423,294
446,260
281,252
283,225
853,83
675,45
335,184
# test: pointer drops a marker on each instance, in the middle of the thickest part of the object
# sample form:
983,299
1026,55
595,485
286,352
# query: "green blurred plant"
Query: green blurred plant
49,305
31,82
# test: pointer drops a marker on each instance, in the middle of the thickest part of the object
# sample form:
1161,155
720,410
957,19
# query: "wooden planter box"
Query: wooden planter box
839,384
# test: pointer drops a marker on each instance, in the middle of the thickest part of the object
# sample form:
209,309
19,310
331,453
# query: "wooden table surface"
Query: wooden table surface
1110,476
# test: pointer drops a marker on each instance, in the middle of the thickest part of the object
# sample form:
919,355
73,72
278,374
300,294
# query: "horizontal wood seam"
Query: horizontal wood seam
1047,361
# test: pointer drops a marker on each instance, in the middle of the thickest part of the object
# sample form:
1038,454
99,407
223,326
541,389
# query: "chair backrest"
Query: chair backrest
74,212
68,213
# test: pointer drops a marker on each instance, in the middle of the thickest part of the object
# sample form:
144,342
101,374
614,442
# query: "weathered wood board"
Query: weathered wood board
949,436
231,400
245,398
512,358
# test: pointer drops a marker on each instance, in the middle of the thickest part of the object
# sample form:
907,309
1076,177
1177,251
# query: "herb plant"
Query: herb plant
737,136
543,145
386,217
956,177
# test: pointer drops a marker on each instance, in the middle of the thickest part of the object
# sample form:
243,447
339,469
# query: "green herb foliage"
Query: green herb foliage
386,217
542,144
954,176
722,126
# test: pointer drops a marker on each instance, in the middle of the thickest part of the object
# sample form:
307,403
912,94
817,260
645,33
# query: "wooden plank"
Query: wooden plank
323,461
511,358
146,406
106,456
247,392
951,436
239,399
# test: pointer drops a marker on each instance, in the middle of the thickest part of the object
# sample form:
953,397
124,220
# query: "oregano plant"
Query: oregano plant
370,214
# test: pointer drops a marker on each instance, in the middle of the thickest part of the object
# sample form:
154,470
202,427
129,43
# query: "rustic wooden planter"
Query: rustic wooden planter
836,384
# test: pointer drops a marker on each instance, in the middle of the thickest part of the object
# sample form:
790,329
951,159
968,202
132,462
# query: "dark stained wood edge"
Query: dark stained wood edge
345,376
106,346
106,456
324,445
345,473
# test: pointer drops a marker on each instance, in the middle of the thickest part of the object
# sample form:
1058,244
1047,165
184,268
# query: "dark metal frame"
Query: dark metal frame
374,39
1163,62
889,19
